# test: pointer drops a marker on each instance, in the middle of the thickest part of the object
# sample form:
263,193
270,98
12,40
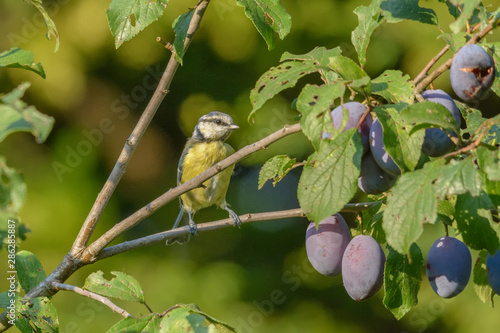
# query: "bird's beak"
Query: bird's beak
233,127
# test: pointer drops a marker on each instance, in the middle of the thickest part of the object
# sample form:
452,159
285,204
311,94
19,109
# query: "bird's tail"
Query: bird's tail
181,220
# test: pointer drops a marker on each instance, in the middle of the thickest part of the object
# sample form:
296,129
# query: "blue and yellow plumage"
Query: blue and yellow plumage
205,148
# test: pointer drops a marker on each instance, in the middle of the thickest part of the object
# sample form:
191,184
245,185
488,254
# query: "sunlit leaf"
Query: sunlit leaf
122,286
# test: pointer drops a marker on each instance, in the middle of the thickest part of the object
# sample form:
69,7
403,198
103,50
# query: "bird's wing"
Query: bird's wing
181,161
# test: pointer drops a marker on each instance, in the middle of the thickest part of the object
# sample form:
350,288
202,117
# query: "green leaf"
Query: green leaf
41,312
126,18
12,189
446,212
489,162
286,75
467,9
122,286
402,280
19,58
404,149
459,177
369,18
29,270
455,41
351,72
394,87
372,223
49,23
143,324
15,115
269,17
330,181
480,280
181,26
397,10
314,103
275,168
189,318
475,223
493,191
428,114
411,203
496,56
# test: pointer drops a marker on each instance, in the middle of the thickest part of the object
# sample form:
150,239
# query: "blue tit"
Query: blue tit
204,149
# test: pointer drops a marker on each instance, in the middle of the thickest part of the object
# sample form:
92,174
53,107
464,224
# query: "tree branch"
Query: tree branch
214,225
134,138
104,300
90,254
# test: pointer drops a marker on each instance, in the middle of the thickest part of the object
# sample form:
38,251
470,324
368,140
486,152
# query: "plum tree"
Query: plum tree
363,267
325,245
448,266
384,161
356,111
472,72
436,141
372,179
493,269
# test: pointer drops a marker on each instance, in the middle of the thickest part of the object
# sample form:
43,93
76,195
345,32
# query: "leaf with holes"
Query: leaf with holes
459,177
330,180
269,17
394,87
467,9
369,19
428,114
40,311
126,18
480,279
489,162
122,286
275,168
475,223
314,104
402,279
411,203
286,75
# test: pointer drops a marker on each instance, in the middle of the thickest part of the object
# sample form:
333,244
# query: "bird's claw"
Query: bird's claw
193,229
235,218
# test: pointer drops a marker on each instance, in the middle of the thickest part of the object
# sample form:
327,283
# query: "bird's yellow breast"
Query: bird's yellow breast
200,157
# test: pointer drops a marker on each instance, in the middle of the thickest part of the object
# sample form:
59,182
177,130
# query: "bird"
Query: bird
205,148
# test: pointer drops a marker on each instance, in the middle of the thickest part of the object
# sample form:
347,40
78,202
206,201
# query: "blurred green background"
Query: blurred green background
257,279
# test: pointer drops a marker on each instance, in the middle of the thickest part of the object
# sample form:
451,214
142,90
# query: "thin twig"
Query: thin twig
431,63
134,138
104,300
214,225
93,249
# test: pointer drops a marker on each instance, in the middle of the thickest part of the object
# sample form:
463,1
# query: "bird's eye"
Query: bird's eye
218,122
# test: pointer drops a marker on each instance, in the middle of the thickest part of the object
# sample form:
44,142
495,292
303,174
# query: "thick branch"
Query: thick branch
134,138
224,223
115,308
93,250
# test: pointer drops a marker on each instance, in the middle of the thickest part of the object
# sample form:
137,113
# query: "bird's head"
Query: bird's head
214,126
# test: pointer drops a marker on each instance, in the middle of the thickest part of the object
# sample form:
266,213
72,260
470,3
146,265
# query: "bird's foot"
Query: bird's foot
235,218
193,229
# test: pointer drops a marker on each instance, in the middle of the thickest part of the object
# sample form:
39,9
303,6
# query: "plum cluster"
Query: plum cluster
360,260
471,74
